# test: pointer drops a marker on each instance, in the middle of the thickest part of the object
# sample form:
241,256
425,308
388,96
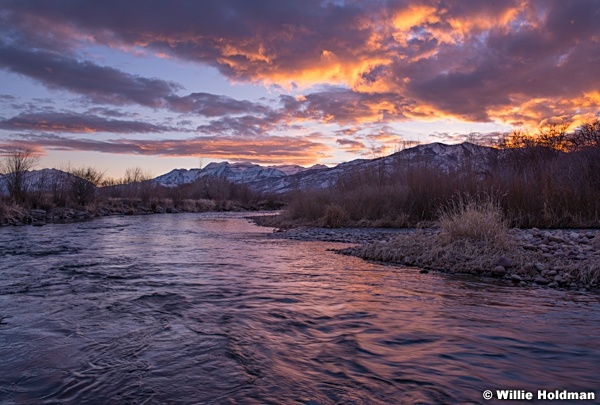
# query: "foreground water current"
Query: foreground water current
207,308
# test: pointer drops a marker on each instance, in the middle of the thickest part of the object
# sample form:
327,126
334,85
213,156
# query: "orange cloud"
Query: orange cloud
271,150
534,113
412,16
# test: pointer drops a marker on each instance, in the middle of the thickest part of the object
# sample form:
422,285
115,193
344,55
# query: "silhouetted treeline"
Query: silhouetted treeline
219,190
548,179
86,190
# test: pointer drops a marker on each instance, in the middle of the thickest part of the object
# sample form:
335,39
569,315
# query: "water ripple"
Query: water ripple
207,309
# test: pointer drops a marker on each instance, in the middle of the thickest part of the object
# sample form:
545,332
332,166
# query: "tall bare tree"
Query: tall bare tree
84,181
16,163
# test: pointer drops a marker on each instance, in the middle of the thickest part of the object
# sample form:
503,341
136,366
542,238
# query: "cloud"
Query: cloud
469,60
77,123
111,86
211,105
272,149
247,125
108,85
7,98
478,138
343,106
99,83
351,145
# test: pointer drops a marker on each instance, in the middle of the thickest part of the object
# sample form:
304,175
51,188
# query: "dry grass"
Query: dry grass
471,237
465,218
423,249
335,216
11,214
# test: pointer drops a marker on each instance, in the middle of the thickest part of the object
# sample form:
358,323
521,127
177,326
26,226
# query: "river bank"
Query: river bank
556,258
12,215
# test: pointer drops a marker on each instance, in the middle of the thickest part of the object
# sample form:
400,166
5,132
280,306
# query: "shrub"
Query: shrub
15,165
335,216
83,183
468,218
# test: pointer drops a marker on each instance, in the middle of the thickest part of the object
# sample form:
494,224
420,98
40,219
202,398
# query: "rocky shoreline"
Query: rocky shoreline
17,216
344,235
40,217
557,258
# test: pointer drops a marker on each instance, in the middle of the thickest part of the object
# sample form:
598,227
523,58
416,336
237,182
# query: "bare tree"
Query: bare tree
136,175
586,136
83,184
15,165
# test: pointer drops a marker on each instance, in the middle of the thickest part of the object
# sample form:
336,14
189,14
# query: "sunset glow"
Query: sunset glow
286,82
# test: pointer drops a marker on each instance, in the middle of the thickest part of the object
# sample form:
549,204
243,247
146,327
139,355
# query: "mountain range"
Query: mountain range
281,179
278,179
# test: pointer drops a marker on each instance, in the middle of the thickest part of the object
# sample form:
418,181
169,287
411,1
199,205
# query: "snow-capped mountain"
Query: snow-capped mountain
295,169
281,179
244,172
238,173
44,179
444,157
177,177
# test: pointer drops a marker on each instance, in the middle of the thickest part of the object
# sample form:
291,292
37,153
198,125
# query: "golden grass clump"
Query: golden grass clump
472,235
465,218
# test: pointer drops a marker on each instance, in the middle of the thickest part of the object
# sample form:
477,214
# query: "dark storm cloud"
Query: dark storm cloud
546,53
235,36
77,123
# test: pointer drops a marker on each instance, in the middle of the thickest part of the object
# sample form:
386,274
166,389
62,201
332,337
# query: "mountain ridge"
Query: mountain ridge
285,178
273,180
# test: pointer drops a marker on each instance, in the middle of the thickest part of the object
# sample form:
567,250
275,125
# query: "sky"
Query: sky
163,84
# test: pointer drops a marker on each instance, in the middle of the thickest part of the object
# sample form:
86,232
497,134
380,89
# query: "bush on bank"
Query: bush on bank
482,244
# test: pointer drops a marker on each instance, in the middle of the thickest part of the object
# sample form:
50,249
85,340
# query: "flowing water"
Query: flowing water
208,309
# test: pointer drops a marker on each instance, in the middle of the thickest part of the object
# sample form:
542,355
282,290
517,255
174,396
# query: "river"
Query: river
208,309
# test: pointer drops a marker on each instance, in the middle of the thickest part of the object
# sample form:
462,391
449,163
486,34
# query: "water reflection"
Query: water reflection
209,309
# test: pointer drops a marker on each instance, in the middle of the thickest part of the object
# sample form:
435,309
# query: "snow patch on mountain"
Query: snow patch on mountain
177,177
295,169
